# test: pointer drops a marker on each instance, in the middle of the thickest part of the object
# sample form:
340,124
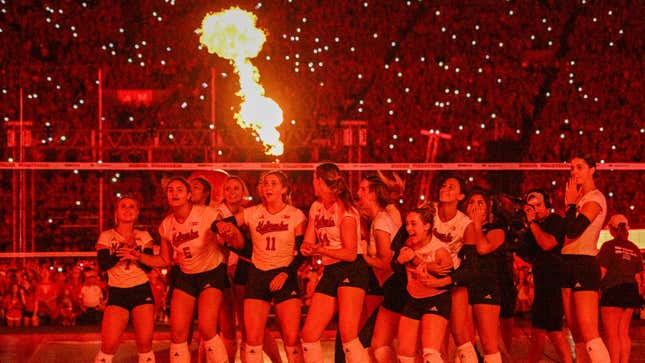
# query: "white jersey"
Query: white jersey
327,226
193,241
125,273
273,235
222,211
452,233
587,242
382,222
427,254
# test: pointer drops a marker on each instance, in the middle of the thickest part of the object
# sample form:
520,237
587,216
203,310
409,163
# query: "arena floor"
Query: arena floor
80,344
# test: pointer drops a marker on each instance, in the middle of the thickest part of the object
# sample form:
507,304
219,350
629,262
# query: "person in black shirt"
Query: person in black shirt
620,265
542,247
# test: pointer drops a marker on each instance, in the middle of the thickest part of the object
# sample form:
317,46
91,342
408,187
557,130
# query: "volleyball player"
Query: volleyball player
484,291
200,194
373,198
200,276
449,226
584,217
277,230
334,223
395,187
129,291
428,303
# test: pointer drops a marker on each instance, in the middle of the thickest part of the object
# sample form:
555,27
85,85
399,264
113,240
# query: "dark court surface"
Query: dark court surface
80,344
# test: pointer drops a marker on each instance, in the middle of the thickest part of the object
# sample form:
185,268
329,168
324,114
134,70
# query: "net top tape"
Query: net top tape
305,166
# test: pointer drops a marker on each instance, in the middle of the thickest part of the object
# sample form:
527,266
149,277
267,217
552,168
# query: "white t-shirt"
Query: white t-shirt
327,226
91,296
382,222
273,235
427,253
125,273
452,233
587,242
193,241
222,211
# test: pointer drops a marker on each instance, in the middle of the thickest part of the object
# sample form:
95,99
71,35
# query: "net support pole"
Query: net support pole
100,148
212,126
22,217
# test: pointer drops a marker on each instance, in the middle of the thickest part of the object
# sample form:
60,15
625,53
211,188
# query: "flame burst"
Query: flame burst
232,35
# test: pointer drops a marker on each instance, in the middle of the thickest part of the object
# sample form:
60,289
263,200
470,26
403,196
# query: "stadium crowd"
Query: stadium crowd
520,81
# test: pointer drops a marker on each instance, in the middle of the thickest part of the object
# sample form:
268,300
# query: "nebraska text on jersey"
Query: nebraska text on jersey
273,235
192,240
125,273
322,222
267,226
179,238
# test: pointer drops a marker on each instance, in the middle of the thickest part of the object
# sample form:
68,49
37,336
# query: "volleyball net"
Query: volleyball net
53,209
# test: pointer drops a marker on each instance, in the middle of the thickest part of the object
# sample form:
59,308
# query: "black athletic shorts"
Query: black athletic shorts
130,297
241,276
467,272
394,293
485,291
621,296
194,284
259,281
374,288
344,274
438,305
580,273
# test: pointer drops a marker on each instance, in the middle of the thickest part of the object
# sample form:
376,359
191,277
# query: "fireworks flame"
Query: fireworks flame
232,34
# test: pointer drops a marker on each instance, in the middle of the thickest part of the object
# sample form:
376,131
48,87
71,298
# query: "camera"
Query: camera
509,212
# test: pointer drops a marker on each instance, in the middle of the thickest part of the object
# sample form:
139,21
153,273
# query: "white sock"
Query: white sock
179,353
466,353
231,348
355,352
147,357
581,352
597,351
294,353
404,359
243,352
312,352
103,358
431,356
215,350
493,358
385,354
254,354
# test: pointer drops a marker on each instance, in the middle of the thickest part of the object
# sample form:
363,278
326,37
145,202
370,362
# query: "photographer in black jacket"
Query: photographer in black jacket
542,243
